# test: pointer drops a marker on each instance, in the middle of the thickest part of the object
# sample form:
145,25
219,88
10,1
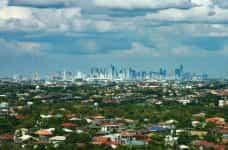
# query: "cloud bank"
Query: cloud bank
116,29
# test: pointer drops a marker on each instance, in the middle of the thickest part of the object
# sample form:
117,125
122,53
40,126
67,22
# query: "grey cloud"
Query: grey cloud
200,14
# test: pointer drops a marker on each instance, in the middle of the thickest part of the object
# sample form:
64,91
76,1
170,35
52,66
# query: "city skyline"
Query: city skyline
50,35
115,73
170,70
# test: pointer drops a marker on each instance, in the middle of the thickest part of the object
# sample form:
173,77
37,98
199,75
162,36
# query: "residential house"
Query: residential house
216,120
44,134
110,127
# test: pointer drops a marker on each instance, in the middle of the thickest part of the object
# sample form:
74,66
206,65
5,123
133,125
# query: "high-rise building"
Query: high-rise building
179,72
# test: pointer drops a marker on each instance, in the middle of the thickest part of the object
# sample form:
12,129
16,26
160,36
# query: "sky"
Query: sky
51,35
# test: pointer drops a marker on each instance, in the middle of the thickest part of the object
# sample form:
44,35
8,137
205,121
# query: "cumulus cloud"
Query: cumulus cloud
189,51
43,2
203,30
137,49
114,28
143,4
126,4
194,15
72,19
8,13
26,19
61,20
104,26
203,2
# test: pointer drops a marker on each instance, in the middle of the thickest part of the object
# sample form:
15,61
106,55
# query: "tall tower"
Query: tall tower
181,69
36,76
113,71
64,75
